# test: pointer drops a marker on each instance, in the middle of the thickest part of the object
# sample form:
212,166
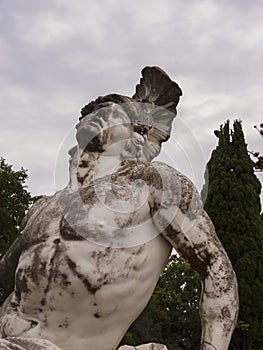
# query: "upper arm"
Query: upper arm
9,261
8,265
181,219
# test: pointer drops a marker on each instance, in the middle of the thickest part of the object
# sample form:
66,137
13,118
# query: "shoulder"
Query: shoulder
36,206
168,170
172,178
177,191
167,185
157,174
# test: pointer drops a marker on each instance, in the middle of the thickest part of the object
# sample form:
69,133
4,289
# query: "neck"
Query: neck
88,166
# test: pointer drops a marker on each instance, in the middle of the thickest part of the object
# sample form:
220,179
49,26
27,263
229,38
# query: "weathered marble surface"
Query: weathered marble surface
150,346
17,343
42,344
88,258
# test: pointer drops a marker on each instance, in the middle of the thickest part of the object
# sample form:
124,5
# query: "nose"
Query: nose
81,137
77,125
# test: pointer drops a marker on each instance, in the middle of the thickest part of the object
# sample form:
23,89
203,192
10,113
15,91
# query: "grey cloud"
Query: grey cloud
60,55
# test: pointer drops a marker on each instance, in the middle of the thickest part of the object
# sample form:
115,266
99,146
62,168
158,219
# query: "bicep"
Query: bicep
181,219
9,261
8,265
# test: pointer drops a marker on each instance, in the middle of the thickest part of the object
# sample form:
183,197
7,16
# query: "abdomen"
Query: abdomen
94,290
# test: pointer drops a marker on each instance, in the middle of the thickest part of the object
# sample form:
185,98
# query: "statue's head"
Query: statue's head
133,127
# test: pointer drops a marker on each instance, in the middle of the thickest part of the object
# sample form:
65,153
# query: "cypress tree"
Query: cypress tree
233,203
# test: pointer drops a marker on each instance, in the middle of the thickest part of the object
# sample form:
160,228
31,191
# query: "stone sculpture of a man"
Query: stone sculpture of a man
87,259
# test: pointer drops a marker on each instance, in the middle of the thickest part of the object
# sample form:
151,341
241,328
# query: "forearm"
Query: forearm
201,248
218,306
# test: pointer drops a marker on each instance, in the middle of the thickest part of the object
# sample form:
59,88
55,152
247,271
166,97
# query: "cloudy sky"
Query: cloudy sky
58,55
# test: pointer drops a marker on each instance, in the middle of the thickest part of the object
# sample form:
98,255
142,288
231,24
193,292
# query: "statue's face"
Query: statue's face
103,127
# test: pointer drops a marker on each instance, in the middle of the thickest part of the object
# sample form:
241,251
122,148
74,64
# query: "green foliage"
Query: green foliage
172,315
233,203
258,164
14,201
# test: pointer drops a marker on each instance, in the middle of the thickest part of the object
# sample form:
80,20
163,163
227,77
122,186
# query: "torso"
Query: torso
79,284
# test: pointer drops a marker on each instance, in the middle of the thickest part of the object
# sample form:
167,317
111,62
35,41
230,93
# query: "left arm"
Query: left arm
179,215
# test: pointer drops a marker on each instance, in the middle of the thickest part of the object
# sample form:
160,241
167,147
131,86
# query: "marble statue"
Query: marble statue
150,346
88,258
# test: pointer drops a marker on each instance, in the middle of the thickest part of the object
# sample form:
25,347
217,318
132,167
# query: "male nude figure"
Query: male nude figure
88,259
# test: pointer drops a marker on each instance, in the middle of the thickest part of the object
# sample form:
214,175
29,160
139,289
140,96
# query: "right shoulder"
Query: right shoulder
36,206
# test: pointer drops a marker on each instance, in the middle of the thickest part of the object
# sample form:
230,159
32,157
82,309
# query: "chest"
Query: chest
108,214
103,245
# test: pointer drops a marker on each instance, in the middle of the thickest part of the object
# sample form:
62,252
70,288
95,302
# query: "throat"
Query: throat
90,166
